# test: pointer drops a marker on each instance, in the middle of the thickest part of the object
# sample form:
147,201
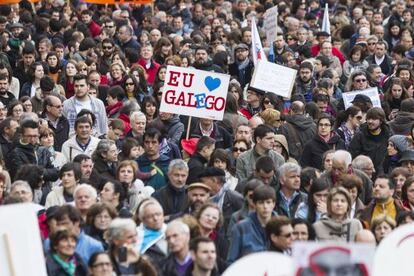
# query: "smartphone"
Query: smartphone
122,254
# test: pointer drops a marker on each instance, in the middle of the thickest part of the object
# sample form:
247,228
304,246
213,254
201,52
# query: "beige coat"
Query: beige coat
328,229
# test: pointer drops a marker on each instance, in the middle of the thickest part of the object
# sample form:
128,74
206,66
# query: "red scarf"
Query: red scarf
112,109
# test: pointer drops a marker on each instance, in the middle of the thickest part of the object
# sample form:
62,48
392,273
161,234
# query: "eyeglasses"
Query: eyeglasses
129,83
101,265
107,47
266,102
360,80
325,125
235,149
111,26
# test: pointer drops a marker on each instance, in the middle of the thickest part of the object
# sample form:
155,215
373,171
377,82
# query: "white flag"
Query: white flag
326,25
257,49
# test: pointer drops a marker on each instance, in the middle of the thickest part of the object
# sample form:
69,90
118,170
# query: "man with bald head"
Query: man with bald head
53,113
298,129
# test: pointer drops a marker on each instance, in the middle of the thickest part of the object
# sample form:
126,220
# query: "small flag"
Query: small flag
271,53
257,49
326,25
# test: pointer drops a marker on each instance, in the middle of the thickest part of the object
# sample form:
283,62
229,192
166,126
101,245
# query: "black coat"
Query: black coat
28,154
244,76
315,148
233,201
173,200
104,170
196,166
373,146
6,146
61,132
54,269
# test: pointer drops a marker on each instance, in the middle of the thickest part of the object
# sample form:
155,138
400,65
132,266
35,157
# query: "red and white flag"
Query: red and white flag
257,49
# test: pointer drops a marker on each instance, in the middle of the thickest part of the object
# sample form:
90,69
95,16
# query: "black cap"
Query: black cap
258,91
50,213
407,155
361,98
211,171
322,33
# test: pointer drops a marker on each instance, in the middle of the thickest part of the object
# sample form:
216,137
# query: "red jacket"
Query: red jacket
151,71
94,28
316,48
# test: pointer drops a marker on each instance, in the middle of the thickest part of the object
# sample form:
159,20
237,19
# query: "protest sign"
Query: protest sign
270,24
103,2
333,258
21,252
15,1
271,264
194,93
275,78
372,93
395,253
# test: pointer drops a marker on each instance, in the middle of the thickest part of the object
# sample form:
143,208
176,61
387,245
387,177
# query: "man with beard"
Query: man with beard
242,68
280,47
203,62
108,47
305,83
197,195
372,139
6,97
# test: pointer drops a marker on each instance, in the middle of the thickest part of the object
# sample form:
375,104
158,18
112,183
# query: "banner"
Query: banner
371,93
194,93
257,48
103,2
270,24
275,78
326,24
3,2
21,251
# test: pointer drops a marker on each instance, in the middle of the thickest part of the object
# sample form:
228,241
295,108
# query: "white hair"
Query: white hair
117,228
136,114
360,162
288,167
22,183
342,156
184,228
145,204
91,190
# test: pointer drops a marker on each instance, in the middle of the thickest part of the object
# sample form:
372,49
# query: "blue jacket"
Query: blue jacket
85,246
161,165
247,237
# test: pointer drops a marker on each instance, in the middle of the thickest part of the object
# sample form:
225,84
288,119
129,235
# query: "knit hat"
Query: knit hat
400,142
46,84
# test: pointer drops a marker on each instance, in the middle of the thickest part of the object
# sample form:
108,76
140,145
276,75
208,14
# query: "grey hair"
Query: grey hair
360,162
117,228
21,183
91,190
177,164
136,114
145,204
342,156
184,228
103,146
288,167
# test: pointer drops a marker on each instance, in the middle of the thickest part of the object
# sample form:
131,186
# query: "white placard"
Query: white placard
275,78
263,263
395,253
270,24
372,93
333,257
21,252
194,93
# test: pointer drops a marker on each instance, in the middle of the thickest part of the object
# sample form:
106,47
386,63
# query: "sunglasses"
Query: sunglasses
235,149
266,102
129,83
360,80
107,47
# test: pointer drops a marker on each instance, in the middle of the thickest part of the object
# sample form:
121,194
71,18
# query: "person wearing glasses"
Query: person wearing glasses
100,265
324,140
53,114
357,81
27,152
109,27
108,49
279,231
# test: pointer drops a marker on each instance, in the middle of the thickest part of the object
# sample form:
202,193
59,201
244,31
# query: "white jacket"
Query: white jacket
71,148
55,197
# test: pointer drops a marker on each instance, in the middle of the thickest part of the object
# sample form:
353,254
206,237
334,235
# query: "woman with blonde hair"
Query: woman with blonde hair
382,226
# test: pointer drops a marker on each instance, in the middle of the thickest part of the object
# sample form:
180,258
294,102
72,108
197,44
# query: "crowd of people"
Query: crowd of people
122,188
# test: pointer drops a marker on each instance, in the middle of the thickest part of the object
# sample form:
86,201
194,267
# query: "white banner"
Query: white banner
270,24
371,93
194,93
275,78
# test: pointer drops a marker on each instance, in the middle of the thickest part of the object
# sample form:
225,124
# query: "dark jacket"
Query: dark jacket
366,193
233,201
315,148
373,146
104,169
6,146
386,65
223,137
208,66
189,271
174,128
132,43
243,76
7,100
402,123
305,89
53,268
161,165
28,154
196,166
169,266
173,200
298,130
61,132
297,199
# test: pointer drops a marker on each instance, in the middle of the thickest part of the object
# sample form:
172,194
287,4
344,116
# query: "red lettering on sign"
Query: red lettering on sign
173,78
190,81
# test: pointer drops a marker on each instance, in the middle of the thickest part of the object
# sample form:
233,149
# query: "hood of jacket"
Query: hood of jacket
402,122
301,121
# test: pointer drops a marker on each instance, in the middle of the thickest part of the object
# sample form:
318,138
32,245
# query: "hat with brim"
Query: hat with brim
241,46
198,185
